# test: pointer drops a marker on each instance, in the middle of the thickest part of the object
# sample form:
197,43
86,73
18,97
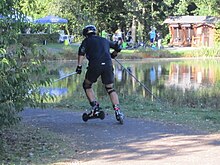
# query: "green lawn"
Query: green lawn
60,51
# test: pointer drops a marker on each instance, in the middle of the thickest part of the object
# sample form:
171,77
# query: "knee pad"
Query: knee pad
109,89
86,85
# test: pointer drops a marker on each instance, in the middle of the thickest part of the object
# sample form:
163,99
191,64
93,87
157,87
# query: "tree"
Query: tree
19,80
138,15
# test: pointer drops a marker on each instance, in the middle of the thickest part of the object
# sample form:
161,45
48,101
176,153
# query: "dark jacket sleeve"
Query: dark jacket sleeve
115,46
82,49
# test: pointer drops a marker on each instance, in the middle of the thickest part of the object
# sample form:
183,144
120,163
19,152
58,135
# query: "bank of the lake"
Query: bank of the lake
69,52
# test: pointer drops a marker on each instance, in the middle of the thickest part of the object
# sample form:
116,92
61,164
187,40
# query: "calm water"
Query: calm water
156,76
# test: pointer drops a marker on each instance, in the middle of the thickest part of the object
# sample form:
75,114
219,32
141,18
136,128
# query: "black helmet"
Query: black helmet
89,29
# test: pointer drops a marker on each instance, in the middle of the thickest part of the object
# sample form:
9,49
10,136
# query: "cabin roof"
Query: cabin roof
192,19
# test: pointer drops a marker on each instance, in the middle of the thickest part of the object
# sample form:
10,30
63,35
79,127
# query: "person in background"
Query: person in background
104,34
114,37
152,34
159,40
97,51
119,34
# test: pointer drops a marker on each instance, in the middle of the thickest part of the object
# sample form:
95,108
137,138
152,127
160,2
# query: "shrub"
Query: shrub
19,87
19,79
30,39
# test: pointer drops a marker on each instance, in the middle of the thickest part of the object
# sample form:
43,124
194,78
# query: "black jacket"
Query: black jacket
97,50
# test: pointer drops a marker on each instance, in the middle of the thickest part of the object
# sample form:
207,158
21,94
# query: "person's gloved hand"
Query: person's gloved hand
79,69
114,54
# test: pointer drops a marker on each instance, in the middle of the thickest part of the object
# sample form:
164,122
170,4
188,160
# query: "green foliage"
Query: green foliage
166,39
206,52
30,39
20,76
112,14
204,99
58,51
19,87
217,33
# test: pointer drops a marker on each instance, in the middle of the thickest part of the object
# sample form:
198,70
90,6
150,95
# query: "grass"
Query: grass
206,119
25,144
57,51
60,51
69,52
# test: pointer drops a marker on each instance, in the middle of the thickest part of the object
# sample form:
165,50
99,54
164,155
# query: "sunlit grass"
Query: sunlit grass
56,51
204,98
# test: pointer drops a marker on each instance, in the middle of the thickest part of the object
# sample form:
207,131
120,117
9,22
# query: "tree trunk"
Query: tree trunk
133,29
152,9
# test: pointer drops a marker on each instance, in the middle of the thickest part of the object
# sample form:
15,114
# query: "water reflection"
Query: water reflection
193,76
156,76
53,91
152,75
118,73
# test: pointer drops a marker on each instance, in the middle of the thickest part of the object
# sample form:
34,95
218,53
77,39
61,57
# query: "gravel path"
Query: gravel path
137,142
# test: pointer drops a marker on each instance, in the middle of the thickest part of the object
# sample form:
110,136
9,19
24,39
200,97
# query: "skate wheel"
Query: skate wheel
117,116
121,121
85,117
101,115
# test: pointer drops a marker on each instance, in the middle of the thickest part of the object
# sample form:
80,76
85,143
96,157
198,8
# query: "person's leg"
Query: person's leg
159,43
151,42
91,77
87,86
113,96
115,102
108,79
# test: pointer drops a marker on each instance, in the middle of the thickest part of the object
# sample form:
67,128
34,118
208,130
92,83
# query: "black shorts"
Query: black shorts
105,71
152,40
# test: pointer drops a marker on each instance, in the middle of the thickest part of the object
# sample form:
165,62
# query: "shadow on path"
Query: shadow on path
136,142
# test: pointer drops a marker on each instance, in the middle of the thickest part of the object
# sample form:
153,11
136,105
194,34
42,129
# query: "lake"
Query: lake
150,78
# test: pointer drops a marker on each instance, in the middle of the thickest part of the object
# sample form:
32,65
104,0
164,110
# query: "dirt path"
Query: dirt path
137,142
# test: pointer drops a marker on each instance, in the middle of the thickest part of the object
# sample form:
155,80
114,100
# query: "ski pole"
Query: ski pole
70,74
129,72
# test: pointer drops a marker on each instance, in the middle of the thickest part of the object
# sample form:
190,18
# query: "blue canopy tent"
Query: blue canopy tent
1,16
51,20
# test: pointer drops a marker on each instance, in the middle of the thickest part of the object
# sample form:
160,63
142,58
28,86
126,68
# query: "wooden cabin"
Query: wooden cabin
193,31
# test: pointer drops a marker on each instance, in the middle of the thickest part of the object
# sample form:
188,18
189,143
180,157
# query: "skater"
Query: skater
97,51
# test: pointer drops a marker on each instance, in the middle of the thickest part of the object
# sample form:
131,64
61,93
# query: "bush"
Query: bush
30,39
19,79
19,87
